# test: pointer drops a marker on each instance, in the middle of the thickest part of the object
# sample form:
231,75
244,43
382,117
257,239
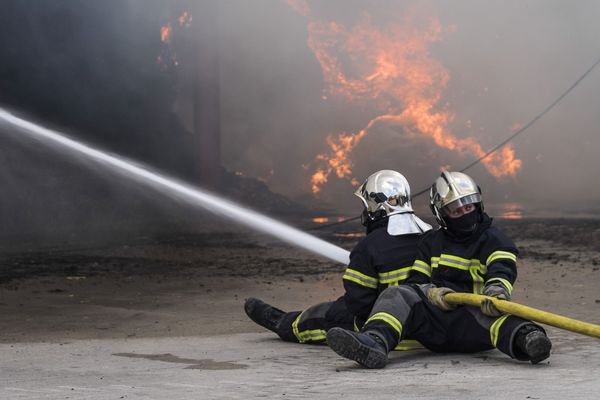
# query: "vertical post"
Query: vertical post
207,114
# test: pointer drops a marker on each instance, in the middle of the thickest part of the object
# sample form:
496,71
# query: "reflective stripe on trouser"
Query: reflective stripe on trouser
391,312
312,324
408,344
465,330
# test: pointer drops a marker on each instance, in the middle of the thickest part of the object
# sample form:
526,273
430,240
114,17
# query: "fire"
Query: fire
502,162
511,211
167,59
185,19
318,179
165,33
392,70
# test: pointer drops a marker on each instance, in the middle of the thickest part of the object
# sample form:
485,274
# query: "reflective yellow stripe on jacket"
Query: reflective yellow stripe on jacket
394,277
360,278
499,255
422,267
473,266
507,285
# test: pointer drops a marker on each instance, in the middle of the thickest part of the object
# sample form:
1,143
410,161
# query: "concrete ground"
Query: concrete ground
257,365
165,320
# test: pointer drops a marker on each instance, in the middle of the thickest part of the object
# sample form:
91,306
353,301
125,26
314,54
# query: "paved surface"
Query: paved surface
256,365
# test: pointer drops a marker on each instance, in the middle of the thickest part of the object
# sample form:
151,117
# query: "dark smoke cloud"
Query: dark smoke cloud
91,69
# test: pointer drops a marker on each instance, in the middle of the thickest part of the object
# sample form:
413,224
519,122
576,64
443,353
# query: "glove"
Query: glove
436,296
487,306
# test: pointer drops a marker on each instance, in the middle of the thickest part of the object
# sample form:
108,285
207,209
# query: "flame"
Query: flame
167,59
165,33
185,19
349,235
511,215
320,220
511,211
393,71
318,179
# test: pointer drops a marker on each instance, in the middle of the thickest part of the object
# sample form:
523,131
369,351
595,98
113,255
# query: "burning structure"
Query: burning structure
320,91
391,69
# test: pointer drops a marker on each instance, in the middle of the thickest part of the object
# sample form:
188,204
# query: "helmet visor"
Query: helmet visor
463,201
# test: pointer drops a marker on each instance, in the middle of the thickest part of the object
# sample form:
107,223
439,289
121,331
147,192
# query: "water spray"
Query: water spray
262,223
195,196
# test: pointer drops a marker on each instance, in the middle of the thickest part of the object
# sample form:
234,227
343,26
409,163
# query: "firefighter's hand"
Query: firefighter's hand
436,296
487,306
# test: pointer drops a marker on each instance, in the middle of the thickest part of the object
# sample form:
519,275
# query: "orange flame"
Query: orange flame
391,70
185,19
165,33
168,57
511,211
318,179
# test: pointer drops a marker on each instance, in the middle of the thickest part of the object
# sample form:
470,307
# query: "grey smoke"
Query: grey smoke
90,68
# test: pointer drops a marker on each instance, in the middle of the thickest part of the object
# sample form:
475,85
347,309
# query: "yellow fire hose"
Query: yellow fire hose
525,312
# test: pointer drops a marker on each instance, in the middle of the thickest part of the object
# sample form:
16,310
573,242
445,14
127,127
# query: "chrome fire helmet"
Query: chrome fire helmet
451,191
385,193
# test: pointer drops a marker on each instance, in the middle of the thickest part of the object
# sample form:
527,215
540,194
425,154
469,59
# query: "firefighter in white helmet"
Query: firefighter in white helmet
381,259
467,254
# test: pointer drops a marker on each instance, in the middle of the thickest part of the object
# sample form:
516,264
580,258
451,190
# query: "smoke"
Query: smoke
91,68
506,61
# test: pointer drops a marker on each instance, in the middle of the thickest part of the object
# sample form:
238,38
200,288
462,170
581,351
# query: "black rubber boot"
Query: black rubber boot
534,343
263,314
366,349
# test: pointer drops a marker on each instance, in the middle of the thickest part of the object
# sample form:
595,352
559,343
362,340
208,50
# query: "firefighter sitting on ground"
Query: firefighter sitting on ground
467,255
381,259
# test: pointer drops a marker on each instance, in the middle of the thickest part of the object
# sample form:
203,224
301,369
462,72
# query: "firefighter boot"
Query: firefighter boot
534,343
263,314
367,349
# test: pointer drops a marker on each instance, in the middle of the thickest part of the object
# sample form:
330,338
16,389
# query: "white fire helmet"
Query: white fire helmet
386,193
451,191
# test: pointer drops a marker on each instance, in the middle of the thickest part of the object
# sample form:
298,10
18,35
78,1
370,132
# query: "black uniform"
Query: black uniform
378,261
464,265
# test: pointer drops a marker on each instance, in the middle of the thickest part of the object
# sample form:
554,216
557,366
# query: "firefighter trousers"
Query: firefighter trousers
404,311
312,324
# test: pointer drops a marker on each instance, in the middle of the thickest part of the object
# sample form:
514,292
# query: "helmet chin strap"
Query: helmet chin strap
367,218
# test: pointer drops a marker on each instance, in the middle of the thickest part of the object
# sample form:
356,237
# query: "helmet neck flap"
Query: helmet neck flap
384,193
386,199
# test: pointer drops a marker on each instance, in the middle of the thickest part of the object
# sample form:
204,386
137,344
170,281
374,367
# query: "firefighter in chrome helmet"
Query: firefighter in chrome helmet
466,255
381,259
386,194
455,200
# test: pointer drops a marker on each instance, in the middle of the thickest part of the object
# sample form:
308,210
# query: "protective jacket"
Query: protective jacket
378,261
466,264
